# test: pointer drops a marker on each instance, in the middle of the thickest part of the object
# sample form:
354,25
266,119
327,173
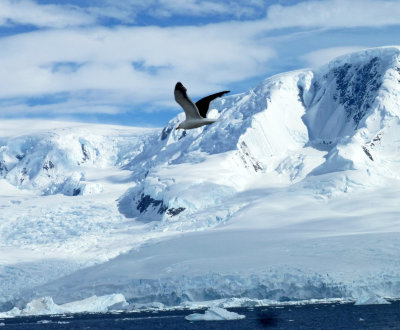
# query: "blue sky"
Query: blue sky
117,61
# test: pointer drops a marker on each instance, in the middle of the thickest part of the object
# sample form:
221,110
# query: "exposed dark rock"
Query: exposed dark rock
375,140
175,211
48,164
76,192
163,209
85,152
183,135
20,156
248,158
165,132
367,152
357,87
3,168
146,201
24,172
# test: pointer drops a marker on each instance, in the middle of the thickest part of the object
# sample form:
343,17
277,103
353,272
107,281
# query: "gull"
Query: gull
196,114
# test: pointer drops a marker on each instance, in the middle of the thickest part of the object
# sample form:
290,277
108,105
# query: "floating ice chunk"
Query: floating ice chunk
215,314
42,306
12,313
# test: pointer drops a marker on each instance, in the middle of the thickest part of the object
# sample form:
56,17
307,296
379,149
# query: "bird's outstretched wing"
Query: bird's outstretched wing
203,104
185,102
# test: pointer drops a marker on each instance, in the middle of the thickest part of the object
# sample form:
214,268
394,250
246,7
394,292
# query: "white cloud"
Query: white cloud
138,64
323,56
109,69
28,12
308,14
325,13
335,13
201,8
128,10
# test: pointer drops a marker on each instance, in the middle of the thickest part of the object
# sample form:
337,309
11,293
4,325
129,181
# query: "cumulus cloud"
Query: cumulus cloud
126,10
200,8
139,64
325,13
306,14
28,12
110,69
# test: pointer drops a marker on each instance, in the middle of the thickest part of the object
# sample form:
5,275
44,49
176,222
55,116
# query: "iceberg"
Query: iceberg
215,314
46,306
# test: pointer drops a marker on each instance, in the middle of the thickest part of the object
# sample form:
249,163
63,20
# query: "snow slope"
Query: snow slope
291,194
57,160
46,231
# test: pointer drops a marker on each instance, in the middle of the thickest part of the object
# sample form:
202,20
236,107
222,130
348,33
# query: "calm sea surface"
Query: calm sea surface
315,316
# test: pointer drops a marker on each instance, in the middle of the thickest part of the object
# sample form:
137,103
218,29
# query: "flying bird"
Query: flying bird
196,113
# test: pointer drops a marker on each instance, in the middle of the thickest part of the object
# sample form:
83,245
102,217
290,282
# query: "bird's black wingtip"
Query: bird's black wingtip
180,87
222,93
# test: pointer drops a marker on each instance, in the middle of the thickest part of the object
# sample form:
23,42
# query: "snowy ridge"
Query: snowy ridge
355,109
292,126
224,158
290,195
53,161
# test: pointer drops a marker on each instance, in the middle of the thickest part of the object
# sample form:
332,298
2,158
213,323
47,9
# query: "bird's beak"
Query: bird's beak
176,128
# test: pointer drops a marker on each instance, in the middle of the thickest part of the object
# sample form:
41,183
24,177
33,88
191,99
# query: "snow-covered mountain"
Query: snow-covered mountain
55,160
292,127
291,194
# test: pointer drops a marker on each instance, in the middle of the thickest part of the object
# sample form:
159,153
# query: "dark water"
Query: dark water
318,316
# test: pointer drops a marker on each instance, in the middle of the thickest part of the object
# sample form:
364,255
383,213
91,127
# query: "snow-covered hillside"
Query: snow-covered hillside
343,116
291,194
57,160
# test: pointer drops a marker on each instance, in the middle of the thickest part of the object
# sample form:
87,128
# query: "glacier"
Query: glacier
290,196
